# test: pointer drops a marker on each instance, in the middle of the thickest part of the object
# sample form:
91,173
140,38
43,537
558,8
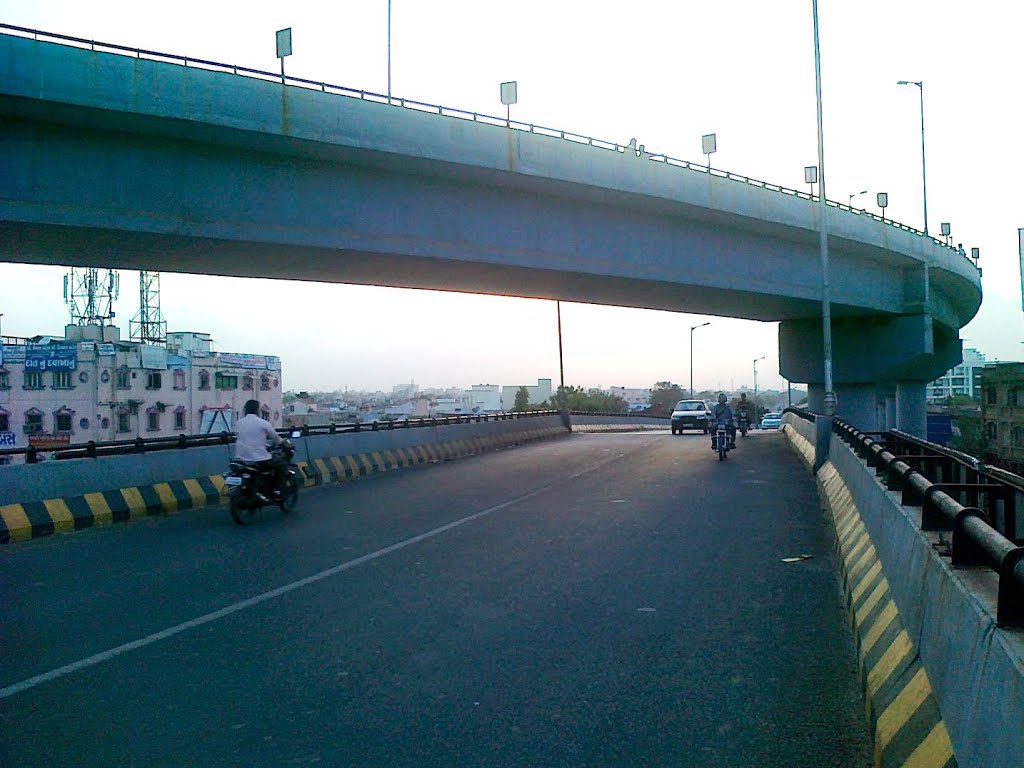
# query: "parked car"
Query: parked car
690,414
771,421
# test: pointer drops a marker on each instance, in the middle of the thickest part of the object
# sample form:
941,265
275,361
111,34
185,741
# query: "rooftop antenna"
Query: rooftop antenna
148,325
89,293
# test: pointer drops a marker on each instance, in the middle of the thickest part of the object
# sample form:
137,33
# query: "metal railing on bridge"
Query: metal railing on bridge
420,106
957,493
94,449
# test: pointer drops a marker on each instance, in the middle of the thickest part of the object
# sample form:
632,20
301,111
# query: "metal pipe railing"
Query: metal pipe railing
983,532
453,112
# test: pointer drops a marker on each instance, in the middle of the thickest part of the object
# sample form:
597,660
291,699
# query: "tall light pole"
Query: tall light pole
826,299
755,384
692,329
855,194
389,51
924,177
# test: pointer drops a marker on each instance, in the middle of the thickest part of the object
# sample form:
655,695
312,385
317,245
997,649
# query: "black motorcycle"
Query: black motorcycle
743,423
251,487
720,442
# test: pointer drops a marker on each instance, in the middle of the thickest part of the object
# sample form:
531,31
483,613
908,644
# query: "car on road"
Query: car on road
690,414
771,421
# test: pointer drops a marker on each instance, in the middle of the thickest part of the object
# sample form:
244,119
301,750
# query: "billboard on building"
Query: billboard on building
51,357
153,358
14,353
240,360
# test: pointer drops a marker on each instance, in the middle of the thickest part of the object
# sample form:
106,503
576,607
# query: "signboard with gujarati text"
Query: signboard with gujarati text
51,357
14,354
8,439
243,361
107,350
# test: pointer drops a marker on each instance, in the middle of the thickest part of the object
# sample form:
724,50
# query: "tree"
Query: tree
664,397
590,401
522,399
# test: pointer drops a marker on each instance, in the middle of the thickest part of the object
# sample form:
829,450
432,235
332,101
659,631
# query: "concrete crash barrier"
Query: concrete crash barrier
941,678
63,496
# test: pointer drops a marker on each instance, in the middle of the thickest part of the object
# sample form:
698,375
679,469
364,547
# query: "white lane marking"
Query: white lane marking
597,466
99,658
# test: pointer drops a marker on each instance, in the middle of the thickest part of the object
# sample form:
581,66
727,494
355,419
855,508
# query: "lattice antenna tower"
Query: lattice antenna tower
90,293
148,325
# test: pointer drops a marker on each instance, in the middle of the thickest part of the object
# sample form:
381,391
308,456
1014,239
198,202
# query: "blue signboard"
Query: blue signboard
51,357
8,439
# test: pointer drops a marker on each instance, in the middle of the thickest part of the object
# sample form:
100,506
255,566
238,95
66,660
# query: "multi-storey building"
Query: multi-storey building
539,393
91,385
964,379
637,398
1002,413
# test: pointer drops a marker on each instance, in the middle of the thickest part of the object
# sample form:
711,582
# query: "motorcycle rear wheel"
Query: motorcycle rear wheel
241,514
289,494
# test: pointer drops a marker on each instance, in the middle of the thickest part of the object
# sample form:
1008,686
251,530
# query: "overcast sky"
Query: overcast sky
663,72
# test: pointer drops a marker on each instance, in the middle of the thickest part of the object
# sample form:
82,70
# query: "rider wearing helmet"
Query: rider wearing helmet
743,407
723,415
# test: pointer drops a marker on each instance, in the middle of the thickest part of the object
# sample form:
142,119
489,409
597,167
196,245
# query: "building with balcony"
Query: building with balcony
964,379
1002,414
91,385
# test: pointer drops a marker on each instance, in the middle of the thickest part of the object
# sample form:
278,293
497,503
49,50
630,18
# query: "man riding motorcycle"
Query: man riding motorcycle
723,415
251,443
744,409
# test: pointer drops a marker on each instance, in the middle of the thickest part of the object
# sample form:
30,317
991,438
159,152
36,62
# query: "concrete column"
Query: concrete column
910,408
890,412
816,398
858,405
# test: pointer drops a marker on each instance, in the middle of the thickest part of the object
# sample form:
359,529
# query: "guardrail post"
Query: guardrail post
966,551
375,427
140,445
182,441
90,449
32,455
822,441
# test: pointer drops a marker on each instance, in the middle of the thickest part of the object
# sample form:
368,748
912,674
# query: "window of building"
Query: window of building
990,431
247,382
62,420
84,423
154,380
5,379
225,381
1018,437
179,417
265,413
1013,397
33,421
179,379
264,382
124,420
990,396
124,378
61,380
33,380
153,419
204,379
105,423
5,420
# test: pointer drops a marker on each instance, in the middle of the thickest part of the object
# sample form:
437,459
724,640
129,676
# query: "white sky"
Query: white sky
663,72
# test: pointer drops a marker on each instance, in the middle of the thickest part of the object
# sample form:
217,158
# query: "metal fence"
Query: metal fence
956,493
93,449
453,112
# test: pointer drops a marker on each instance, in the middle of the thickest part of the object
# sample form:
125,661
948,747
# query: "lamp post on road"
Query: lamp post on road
826,297
855,194
924,182
692,329
755,384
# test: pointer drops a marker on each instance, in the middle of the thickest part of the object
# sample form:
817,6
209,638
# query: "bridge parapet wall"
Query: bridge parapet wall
926,632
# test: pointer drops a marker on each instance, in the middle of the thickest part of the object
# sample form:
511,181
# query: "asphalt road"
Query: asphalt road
597,600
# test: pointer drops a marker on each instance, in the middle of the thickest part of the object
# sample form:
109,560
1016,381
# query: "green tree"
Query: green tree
522,399
664,397
590,401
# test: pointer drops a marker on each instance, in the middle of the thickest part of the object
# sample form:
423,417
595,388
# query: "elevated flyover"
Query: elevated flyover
126,161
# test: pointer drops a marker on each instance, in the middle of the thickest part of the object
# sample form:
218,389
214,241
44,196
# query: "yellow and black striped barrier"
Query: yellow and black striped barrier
902,711
20,522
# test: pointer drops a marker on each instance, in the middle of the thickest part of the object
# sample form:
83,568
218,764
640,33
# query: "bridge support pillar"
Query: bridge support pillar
911,414
858,405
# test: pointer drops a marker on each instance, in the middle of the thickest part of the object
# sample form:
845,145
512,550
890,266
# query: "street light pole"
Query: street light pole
389,51
849,202
755,384
692,329
924,175
826,305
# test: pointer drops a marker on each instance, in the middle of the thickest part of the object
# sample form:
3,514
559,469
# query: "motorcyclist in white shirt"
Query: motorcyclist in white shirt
253,434
723,415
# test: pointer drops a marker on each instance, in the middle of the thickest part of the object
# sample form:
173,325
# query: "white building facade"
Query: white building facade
539,393
90,385
964,379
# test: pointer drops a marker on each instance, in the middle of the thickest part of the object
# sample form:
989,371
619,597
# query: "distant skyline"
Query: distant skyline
663,72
